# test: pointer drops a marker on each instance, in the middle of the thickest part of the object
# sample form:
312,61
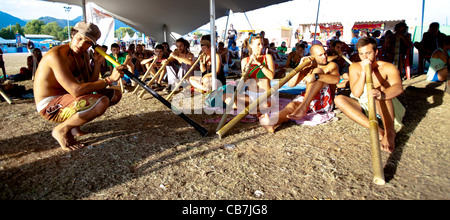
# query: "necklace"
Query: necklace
79,69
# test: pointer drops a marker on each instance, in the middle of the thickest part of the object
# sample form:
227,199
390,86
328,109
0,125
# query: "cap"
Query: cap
89,30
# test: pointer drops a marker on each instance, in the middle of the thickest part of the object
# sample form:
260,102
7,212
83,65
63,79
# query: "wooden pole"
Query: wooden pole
185,76
6,97
235,93
262,98
203,131
160,71
378,173
146,74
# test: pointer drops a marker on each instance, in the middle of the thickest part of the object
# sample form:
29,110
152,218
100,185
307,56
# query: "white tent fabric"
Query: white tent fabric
149,16
126,38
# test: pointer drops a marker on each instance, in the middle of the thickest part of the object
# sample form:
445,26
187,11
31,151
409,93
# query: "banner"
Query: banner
104,21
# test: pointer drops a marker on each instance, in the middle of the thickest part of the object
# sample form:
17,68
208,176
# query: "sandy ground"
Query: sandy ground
140,150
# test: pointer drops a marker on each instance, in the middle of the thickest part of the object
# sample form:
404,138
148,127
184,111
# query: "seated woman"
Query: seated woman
262,70
204,82
295,57
439,62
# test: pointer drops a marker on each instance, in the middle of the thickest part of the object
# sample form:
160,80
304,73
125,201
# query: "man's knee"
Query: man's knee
116,98
101,106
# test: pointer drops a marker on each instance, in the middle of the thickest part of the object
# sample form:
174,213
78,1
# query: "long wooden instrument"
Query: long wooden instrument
185,76
262,98
235,93
6,97
378,173
203,131
146,74
157,75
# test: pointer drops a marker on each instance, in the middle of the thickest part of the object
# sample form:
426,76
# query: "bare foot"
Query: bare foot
388,143
77,132
268,124
298,114
66,140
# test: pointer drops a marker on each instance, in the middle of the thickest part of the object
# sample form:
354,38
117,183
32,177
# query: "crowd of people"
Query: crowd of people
72,86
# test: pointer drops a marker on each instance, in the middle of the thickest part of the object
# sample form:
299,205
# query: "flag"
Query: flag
104,21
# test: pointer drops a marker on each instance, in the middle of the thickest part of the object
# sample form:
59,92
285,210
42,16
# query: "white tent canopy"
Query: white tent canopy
150,16
126,38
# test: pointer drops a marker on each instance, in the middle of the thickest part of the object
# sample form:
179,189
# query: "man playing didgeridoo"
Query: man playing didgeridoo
321,79
387,86
68,91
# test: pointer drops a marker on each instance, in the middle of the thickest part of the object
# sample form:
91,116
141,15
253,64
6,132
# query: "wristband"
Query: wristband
107,82
261,66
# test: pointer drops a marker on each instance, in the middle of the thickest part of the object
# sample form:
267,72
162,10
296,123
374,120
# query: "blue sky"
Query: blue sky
34,9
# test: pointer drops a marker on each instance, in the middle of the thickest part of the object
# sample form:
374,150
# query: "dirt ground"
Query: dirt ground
140,150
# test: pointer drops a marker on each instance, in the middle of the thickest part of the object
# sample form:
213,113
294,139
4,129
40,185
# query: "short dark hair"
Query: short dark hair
115,45
159,46
206,37
366,41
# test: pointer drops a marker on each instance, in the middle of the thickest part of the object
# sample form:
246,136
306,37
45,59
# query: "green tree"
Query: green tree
51,29
63,35
120,33
10,31
34,27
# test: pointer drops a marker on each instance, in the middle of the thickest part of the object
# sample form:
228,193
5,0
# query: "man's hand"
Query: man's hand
377,94
98,58
117,73
310,78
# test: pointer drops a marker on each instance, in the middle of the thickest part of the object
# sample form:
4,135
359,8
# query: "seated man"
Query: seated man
234,51
282,50
68,91
123,58
387,86
160,57
430,41
439,63
183,59
321,79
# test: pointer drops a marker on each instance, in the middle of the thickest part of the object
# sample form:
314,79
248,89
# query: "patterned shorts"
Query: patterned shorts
60,108
322,102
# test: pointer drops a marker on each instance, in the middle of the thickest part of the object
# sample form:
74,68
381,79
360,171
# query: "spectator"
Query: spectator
430,42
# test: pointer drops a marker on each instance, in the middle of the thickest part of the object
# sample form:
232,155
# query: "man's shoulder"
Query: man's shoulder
57,52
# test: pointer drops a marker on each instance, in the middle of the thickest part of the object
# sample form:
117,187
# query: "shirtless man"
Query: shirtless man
387,85
182,62
321,79
68,91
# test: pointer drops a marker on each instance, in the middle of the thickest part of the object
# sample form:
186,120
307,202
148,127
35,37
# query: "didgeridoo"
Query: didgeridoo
185,76
378,173
6,97
203,131
160,71
235,93
262,98
146,74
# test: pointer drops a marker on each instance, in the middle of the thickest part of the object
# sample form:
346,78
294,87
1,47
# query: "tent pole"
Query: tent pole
245,13
423,15
213,43
165,32
83,5
317,21
226,28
